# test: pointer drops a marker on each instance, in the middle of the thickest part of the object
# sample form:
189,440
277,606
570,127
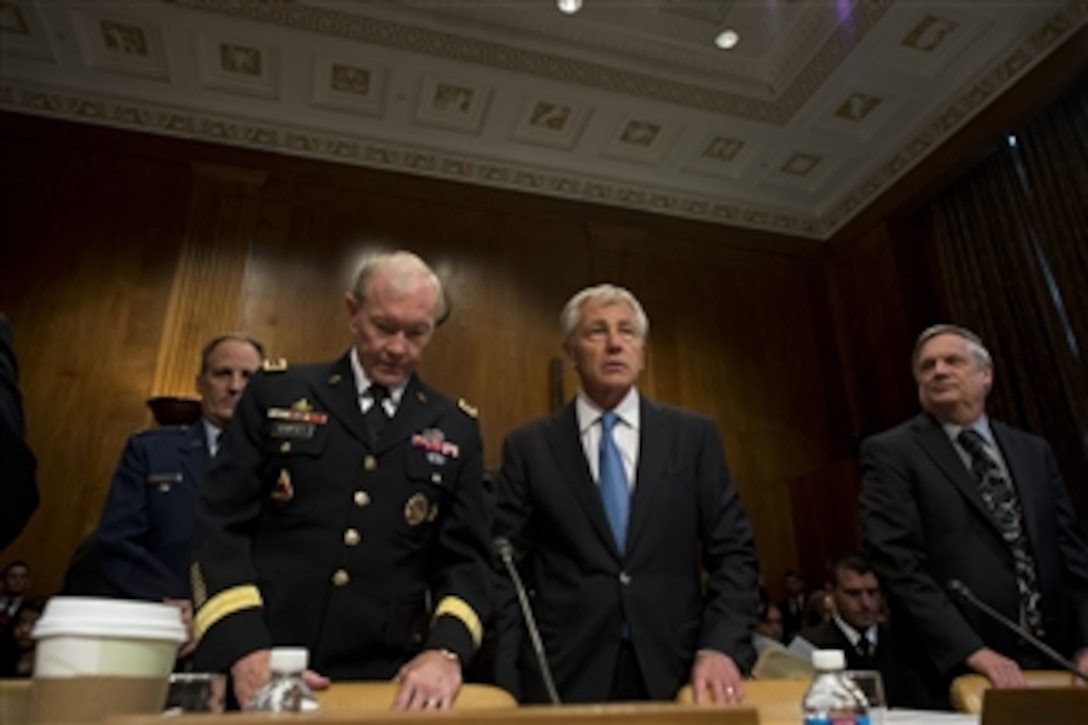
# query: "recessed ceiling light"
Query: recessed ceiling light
568,7
727,39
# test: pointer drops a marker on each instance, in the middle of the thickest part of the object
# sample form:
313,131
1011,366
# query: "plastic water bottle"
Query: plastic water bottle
286,691
833,698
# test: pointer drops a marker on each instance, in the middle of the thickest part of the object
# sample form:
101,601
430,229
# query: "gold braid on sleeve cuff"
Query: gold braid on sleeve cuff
459,608
224,604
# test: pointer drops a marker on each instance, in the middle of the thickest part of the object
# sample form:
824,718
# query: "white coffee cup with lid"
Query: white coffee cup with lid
98,657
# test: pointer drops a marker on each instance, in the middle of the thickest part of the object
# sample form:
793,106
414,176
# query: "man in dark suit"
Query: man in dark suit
346,511
615,505
144,540
952,494
18,485
792,606
854,626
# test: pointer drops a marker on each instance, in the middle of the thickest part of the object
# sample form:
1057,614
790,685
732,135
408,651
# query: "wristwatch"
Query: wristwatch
449,654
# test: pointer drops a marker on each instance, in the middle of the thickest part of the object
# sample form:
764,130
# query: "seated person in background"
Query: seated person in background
145,535
792,606
768,629
854,624
818,609
17,646
14,586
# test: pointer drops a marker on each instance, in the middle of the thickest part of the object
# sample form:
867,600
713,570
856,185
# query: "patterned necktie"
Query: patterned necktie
613,482
375,416
1000,497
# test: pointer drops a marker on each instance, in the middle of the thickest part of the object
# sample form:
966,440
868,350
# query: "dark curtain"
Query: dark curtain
1012,240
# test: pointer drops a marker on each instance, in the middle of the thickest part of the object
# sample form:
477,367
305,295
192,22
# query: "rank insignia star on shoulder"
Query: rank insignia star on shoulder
469,410
274,365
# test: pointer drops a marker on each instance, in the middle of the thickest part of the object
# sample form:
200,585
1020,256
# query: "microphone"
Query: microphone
960,590
504,550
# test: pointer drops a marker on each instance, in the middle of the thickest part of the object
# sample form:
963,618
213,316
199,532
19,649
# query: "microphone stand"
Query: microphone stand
960,589
505,554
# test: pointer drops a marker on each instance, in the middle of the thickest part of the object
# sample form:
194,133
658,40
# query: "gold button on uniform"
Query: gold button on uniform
362,498
285,447
340,578
436,477
351,537
370,463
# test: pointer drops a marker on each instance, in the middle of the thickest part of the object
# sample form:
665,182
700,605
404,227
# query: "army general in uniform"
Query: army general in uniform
345,512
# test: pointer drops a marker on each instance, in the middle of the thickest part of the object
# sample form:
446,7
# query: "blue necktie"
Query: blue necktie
613,481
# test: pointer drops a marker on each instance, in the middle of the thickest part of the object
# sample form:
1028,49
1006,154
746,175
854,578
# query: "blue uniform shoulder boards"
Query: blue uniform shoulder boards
274,365
470,410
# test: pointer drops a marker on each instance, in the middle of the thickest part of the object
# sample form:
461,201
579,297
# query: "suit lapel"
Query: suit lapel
338,395
654,447
1017,460
194,455
934,441
565,440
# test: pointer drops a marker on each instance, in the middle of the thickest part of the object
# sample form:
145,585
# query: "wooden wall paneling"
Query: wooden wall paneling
504,274
509,276
205,296
92,243
298,271
878,334
735,333
826,519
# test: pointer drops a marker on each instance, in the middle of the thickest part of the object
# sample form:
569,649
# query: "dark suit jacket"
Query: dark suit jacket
924,523
145,535
793,616
309,535
828,635
18,485
684,513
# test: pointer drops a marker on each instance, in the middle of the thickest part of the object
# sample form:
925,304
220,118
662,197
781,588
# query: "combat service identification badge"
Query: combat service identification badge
415,511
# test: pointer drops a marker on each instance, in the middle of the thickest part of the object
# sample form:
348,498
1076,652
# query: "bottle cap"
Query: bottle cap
288,659
828,659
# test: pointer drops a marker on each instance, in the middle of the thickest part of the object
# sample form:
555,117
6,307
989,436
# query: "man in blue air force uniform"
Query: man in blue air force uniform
346,511
145,535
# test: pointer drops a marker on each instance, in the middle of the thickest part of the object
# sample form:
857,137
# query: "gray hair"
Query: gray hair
608,294
974,344
406,267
